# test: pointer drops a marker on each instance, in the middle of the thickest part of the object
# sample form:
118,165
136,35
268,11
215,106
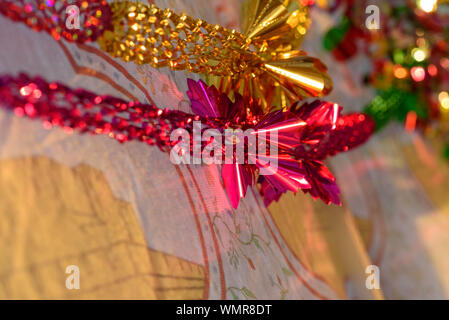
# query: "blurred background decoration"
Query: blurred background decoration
409,60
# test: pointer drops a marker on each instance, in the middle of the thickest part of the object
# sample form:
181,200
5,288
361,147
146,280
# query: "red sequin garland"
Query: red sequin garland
320,132
58,105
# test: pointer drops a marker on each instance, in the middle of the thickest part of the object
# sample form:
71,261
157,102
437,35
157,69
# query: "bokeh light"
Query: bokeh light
427,5
444,100
418,74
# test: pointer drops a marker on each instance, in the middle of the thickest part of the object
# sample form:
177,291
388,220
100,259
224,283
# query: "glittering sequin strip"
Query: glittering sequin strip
57,105
351,131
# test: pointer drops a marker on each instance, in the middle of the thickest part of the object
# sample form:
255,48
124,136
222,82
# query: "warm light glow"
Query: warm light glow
427,5
400,72
443,95
444,100
32,90
421,42
25,91
418,74
432,69
410,121
37,94
444,63
445,104
419,54
318,85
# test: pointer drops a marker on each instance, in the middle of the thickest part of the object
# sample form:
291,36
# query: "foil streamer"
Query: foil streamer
55,104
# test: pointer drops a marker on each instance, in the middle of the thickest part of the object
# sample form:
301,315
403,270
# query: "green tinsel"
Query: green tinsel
394,105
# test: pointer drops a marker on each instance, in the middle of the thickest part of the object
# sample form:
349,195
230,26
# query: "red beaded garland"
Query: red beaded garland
57,105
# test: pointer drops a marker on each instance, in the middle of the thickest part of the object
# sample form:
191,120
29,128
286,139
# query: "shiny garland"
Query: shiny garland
306,135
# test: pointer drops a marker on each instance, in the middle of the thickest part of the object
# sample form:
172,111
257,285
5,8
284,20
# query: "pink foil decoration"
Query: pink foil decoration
306,135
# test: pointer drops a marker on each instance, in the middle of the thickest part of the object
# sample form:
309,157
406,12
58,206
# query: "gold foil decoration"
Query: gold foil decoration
282,25
260,62
289,74
145,34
